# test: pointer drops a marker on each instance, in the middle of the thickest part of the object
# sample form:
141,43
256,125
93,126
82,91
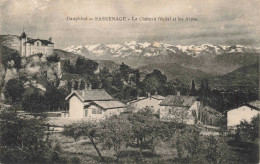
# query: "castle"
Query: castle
30,46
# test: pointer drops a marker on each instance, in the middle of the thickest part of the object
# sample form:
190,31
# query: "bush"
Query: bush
75,160
53,58
23,140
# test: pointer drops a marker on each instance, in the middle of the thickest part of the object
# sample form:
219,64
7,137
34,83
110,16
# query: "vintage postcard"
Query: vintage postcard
129,81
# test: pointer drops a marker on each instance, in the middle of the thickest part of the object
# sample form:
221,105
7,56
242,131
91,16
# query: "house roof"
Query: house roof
110,104
45,42
157,97
255,104
180,101
91,95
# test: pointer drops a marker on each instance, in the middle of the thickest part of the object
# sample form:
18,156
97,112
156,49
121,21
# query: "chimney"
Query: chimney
72,86
178,93
79,83
50,39
89,86
86,86
149,94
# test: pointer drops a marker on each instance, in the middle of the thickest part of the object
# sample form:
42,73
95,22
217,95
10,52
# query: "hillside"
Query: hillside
176,71
247,76
64,55
10,41
72,57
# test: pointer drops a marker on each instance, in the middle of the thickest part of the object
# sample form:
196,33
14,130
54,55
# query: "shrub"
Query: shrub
75,160
53,58
23,140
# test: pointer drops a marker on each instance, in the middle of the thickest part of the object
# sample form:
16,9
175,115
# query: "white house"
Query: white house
92,104
244,112
143,102
179,108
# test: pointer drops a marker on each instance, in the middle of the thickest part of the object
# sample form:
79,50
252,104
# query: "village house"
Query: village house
30,47
244,112
183,109
93,104
143,102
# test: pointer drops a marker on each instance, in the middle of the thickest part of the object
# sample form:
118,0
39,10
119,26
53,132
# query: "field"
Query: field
82,151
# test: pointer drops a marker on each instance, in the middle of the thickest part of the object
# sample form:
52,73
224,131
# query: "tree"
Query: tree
249,130
53,58
11,59
146,129
68,67
72,131
54,98
85,67
23,140
204,91
155,81
116,132
34,103
14,89
192,90
88,129
125,71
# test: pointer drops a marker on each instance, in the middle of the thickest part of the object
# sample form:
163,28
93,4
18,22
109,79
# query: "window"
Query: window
99,111
96,111
86,113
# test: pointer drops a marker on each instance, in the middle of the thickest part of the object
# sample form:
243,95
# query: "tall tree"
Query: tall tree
192,90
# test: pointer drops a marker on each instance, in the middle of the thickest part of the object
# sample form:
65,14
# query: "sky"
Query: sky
223,22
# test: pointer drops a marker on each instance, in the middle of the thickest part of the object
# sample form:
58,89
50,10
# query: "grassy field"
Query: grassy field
83,151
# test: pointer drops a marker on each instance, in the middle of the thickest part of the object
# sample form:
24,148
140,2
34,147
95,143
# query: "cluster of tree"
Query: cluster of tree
53,58
10,59
37,101
82,67
248,131
144,131
23,139
222,100
124,83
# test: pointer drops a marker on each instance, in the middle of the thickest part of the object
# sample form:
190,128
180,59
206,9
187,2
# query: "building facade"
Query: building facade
243,113
182,109
93,104
151,102
30,47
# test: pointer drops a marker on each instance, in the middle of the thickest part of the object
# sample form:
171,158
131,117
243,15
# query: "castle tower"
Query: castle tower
23,40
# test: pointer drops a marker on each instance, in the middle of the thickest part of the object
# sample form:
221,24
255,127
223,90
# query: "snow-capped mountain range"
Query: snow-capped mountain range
217,59
130,49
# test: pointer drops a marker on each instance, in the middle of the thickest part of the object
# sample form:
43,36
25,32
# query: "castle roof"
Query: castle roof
45,42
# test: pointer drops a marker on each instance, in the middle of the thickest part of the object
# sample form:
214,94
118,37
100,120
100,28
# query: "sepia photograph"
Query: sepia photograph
129,81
